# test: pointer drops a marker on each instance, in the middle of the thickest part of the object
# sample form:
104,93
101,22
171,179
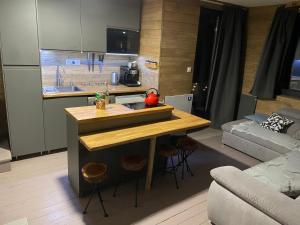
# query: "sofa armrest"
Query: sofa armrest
275,204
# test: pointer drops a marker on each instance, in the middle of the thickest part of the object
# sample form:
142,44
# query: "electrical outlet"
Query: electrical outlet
189,69
75,62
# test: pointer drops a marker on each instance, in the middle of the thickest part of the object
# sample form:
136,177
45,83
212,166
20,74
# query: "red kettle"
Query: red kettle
152,97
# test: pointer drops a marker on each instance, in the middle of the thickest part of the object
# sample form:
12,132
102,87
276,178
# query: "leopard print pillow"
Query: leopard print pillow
277,123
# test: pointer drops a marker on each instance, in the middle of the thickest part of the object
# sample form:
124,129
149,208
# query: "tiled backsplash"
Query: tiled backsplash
61,61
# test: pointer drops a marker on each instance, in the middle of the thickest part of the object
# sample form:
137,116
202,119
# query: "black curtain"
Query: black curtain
273,73
207,32
229,65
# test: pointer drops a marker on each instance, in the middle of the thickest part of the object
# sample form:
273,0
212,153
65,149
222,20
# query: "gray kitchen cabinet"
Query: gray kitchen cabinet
59,24
24,109
124,14
55,120
18,28
97,15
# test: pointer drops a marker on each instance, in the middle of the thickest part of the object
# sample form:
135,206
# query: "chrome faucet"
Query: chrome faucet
59,79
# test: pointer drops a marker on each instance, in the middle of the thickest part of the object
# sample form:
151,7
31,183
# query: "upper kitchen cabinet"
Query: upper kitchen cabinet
94,17
59,24
124,14
97,15
18,28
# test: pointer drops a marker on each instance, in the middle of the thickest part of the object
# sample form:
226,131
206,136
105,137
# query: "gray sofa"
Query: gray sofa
250,138
268,193
236,198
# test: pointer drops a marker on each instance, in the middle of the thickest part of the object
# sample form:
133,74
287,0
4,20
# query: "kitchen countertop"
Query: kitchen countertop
87,114
91,90
180,121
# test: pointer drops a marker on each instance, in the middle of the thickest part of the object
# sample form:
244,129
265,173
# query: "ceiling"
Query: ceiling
253,3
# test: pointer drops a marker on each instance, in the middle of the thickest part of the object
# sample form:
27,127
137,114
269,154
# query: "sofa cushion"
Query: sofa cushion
257,117
251,131
282,173
294,130
269,201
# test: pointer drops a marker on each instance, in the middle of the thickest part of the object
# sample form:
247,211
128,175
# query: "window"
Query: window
295,75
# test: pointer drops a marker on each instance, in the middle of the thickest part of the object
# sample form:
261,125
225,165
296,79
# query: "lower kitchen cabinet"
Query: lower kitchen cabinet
24,102
55,120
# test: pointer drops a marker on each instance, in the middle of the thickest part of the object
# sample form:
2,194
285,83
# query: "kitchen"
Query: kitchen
66,57
55,63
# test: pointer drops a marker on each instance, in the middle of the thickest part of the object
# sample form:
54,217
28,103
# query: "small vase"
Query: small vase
100,104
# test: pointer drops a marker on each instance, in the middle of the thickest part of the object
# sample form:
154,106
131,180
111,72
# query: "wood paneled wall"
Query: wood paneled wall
259,23
150,42
178,45
169,35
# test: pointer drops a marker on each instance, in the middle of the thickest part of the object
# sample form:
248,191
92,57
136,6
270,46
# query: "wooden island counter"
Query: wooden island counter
102,135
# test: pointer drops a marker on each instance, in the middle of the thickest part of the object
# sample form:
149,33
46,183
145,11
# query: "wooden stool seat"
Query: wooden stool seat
187,144
94,172
133,163
167,151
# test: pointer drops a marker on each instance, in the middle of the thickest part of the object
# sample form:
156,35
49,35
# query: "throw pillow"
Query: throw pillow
277,123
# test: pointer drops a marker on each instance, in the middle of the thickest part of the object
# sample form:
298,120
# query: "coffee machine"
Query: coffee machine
129,75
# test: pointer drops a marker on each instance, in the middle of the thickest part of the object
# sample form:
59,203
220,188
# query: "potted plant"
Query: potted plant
100,101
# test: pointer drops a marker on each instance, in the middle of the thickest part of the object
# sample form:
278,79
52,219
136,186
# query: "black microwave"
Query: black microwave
122,41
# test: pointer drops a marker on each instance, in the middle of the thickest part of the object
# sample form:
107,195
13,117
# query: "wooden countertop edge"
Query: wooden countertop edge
91,93
183,118
126,114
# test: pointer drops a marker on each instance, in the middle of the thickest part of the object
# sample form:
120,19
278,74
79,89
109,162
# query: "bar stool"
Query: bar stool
135,164
187,146
168,152
94,173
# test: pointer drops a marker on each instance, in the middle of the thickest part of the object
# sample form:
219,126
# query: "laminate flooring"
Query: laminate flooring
38,189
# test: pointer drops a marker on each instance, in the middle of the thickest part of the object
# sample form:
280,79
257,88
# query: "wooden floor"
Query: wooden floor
38,190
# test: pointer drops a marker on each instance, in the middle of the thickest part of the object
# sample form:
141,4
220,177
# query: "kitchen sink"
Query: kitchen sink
54,89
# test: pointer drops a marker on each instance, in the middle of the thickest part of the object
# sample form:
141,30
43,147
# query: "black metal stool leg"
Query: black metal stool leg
183,162
101,202
174,172
136,190
187,166
116,189
166,162
89,201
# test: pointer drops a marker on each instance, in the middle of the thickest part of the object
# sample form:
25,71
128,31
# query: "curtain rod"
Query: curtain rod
217,2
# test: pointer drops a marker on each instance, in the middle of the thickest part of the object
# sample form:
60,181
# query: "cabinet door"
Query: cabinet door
97,15
24,109
55,120
124,14
18,28
94,17
59,24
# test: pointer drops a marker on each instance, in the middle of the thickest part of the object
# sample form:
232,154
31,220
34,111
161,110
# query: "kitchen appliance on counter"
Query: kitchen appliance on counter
121,41
152,97
129,75
140,105
115,78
